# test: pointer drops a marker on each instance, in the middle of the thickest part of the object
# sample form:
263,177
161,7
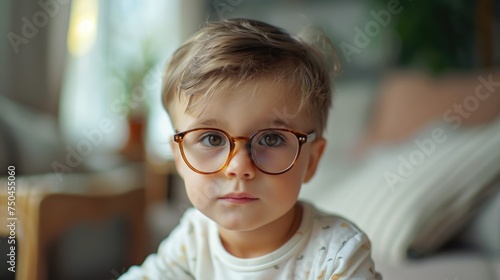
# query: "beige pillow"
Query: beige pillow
409,101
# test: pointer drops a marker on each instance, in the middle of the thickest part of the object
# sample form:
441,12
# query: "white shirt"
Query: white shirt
324,247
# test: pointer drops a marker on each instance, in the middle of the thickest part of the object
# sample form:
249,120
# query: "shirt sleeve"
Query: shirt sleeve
352,261
172,259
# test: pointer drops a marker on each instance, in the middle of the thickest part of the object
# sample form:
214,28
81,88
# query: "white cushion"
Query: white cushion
443,267
484,231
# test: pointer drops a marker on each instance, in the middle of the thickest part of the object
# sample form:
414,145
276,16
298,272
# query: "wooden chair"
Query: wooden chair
46,211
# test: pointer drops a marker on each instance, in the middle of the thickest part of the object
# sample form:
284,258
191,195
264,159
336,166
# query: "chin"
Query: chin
237,224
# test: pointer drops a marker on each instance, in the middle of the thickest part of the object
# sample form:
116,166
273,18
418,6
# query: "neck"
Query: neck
265,239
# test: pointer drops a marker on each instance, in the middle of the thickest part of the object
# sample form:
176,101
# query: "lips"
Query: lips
239,198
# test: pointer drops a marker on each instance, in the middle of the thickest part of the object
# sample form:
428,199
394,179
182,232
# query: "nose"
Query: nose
240,165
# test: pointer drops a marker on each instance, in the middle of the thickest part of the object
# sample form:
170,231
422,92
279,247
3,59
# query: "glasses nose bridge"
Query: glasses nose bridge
240,138
244,139
246,144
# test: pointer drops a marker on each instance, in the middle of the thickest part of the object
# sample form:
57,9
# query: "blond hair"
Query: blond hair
235,51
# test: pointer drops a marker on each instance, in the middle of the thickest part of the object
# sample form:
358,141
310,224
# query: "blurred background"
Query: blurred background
413,135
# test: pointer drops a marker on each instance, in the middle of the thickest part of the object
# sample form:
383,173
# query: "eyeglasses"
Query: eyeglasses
273,151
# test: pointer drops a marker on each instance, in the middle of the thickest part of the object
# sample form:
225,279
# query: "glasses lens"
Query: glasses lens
206,150
274,151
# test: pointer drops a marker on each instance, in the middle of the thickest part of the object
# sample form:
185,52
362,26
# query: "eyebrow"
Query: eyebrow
203,122
282,123
275,122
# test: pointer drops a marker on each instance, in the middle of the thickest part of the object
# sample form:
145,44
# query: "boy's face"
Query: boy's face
241,112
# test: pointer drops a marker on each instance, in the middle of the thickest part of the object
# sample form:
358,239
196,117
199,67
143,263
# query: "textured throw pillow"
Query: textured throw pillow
415,196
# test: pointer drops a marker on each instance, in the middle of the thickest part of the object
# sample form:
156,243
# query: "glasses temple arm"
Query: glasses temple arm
311,136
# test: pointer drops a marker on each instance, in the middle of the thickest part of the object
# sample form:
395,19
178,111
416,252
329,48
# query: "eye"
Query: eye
271,139
213,140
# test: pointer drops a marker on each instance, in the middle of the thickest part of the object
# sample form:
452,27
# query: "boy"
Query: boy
249,104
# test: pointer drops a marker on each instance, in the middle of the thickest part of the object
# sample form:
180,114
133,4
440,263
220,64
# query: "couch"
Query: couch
420,178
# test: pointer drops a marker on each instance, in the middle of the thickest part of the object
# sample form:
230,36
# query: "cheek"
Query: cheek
178,160
183,169
195,192
282,193
201,189
286,187
192,180
299,170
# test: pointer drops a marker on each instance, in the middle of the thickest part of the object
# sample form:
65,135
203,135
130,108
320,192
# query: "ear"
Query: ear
317,149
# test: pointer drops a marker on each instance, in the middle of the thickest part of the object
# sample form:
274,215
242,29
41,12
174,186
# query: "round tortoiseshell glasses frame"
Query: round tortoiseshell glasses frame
301,138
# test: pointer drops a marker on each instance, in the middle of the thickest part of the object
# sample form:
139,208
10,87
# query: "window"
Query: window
117,50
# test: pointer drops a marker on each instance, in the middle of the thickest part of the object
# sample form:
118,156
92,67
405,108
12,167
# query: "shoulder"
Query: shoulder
191,221
184,243
177,254
337,247
191,228
332,228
